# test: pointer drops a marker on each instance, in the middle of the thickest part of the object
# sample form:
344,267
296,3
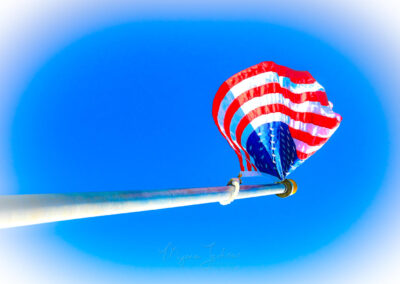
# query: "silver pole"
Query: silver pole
29,209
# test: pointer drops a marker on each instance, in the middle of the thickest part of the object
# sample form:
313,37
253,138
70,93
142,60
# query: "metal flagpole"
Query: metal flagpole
29,209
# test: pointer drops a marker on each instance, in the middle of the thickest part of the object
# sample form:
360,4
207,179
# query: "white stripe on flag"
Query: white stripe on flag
305,148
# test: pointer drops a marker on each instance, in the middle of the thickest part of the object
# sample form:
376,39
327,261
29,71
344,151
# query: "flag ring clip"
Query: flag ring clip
235,183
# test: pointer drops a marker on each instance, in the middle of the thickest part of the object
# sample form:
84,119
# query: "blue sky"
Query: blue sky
129,107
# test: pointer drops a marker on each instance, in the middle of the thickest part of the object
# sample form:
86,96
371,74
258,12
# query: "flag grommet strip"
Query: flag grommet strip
233,193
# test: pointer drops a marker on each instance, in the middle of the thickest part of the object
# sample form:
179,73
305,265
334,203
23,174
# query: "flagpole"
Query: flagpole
30,209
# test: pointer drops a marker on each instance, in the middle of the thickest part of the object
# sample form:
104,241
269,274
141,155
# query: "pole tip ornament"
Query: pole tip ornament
291,188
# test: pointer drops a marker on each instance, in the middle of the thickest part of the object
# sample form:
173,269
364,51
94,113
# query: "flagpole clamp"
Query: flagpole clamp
233,192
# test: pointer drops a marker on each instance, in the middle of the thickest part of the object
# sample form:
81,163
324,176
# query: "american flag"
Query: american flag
274,117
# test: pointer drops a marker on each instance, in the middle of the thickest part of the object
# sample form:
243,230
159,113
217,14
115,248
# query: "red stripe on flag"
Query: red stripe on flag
236,151
297,77
303,156
228,136
307,137
224,89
